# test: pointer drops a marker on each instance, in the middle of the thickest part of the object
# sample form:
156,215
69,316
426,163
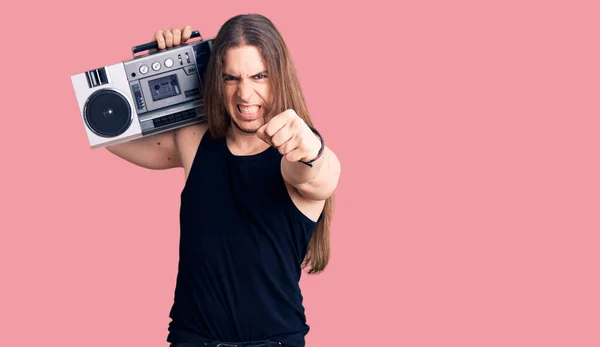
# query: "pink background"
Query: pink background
467,212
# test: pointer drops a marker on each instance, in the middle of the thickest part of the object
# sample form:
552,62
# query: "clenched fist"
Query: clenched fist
291,136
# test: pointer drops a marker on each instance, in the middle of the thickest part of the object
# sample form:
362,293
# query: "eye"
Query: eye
229,78
260,76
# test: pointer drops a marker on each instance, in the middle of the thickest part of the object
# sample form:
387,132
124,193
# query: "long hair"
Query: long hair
286,92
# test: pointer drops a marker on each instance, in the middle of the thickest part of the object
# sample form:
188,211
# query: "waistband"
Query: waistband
265,343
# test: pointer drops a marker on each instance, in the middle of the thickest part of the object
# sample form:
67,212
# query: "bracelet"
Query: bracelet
309,163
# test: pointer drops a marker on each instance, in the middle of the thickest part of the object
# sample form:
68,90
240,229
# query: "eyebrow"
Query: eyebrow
256,74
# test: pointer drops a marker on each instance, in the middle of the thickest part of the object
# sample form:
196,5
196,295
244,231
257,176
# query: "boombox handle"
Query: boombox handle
154,44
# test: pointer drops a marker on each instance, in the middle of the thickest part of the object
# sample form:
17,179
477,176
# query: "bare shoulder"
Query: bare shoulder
309,207
187,140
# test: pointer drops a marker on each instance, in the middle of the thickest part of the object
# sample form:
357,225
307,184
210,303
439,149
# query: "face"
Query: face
246,88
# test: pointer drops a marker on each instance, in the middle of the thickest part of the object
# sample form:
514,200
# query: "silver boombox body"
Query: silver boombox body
150,94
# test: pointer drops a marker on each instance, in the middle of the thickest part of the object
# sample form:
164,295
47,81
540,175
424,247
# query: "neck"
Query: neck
241,143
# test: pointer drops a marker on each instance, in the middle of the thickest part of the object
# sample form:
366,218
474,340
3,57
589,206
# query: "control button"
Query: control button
171,118
143,69
178,117
156,66
157,122
164,120
169,62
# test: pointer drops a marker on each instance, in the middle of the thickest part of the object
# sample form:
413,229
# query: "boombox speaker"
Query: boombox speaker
154,92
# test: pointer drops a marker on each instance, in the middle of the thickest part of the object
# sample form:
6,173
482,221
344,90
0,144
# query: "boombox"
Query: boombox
152,93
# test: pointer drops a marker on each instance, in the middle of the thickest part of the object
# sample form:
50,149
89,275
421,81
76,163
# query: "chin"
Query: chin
245,127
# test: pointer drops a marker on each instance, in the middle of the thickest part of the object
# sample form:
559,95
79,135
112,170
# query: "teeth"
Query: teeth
248,109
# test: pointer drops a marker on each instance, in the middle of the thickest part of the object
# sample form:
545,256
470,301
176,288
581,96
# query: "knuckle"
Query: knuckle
186,33
297,122
296,128
302,146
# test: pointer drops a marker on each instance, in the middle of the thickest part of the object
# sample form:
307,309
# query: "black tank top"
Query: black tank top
242,243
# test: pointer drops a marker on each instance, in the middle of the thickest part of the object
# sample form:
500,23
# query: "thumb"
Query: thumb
261,133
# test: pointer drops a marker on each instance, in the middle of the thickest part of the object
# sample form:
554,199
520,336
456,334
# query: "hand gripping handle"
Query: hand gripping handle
154,44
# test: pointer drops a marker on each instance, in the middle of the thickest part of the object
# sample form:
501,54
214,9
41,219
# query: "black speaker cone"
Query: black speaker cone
108,113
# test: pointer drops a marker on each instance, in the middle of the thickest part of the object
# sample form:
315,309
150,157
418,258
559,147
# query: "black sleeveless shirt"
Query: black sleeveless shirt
242,243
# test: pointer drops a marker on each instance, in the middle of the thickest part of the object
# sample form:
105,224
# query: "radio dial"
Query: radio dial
169,62
143,69
156,66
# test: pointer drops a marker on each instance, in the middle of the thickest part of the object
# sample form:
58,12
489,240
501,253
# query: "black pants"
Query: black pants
265,343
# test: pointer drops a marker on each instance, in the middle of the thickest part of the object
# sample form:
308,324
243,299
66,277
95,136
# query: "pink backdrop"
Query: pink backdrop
467,212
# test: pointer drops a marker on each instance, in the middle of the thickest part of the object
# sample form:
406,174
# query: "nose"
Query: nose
245,90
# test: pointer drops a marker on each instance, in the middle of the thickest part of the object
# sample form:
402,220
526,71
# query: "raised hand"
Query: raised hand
291,136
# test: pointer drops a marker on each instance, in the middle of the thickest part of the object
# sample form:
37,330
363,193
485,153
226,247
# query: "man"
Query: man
256,205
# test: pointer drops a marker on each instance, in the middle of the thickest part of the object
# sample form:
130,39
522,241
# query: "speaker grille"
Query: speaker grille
107,113
96,77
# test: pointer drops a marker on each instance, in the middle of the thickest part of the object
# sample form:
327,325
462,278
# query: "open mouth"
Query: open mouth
248,110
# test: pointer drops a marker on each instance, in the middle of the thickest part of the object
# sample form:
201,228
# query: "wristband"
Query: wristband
309,163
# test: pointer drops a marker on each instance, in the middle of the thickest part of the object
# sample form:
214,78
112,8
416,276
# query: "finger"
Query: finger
275,124
288,146
176,36
263,136
294,155
186,33
168,38
159,38
282,136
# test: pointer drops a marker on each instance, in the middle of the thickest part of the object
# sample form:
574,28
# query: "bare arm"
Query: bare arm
297,142
157,152
317,182
160,151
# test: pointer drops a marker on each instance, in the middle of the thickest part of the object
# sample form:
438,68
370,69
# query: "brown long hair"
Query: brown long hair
258,31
